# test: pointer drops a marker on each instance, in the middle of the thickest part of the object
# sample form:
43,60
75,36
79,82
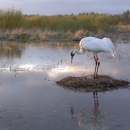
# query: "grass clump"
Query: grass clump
89,84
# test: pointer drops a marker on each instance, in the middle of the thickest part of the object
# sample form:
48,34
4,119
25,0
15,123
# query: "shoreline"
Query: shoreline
38,35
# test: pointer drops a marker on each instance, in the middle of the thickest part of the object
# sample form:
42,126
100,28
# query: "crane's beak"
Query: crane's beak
71,58
72,55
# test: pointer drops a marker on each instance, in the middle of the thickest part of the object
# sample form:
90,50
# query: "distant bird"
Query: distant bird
94,45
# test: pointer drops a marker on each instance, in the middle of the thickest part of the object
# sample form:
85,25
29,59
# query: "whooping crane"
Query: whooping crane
94,45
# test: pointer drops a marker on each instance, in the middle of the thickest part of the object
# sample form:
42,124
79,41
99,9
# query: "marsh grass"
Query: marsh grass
10,18
80,34
25,28
36,34
40,35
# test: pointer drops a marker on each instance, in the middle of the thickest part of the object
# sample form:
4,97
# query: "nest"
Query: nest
90,84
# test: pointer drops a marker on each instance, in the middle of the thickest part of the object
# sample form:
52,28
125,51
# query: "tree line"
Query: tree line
12,18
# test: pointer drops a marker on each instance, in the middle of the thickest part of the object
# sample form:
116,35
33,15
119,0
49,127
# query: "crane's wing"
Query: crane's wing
92,44
95,45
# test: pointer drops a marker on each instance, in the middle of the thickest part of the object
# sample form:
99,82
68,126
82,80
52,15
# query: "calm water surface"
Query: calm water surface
31,100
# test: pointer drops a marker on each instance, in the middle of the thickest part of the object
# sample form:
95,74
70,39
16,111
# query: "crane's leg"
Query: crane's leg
96,65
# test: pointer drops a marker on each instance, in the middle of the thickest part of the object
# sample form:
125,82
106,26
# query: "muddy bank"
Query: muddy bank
89,84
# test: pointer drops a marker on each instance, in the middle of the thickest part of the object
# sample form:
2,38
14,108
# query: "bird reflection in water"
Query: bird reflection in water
72,110
96,103
90,119
95,108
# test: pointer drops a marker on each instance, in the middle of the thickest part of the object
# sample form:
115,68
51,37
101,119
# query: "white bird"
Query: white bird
94,45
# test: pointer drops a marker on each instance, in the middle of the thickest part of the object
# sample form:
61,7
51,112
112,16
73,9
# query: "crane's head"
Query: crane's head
72,55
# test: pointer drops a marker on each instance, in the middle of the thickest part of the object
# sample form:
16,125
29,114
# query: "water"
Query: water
31,100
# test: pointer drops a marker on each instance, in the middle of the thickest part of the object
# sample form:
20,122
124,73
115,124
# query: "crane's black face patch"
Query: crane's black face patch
72,54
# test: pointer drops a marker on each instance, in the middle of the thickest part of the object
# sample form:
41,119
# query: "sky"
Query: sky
53,7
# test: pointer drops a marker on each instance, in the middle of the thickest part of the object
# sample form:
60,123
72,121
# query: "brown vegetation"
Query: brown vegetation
89,84
25,28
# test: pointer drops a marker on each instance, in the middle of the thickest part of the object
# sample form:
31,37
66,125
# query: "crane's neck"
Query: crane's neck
81,52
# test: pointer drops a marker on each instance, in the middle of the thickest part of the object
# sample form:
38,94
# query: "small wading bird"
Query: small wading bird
94,45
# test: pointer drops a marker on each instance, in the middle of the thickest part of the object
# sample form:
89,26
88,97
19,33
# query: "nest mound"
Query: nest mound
90,84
